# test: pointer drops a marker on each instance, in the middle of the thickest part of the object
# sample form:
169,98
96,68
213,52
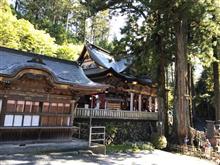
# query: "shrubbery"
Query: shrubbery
119,132
159,141
129,147
20,34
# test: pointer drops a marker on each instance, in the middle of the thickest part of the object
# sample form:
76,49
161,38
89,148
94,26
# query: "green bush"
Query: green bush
159,141
147,146
119,148
129,147
111,132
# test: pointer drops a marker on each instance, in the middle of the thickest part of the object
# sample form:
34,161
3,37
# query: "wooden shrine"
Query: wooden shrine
38,96
126,93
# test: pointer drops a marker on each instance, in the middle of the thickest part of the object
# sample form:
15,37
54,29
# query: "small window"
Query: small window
35,120
9,120
27,120
18,120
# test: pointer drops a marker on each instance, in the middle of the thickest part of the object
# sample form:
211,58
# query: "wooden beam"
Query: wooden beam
139,102
131,101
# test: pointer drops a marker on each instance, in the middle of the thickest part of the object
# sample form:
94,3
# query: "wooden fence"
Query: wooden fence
207,153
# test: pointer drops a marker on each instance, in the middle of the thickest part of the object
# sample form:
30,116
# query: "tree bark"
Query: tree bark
162,91
181,107
192,95
216,84
162,98
190,86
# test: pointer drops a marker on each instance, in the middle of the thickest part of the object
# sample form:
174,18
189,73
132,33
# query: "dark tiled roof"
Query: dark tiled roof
129,78
104,59
109,65
63,71
94,71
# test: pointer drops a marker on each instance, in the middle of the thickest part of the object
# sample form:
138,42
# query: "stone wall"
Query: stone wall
119,131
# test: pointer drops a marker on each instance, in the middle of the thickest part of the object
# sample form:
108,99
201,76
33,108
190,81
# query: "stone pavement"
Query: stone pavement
156,157
75,144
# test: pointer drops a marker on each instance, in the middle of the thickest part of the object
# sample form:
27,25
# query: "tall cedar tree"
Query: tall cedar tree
182,19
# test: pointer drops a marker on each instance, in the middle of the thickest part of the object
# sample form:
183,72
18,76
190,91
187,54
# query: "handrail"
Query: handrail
114,114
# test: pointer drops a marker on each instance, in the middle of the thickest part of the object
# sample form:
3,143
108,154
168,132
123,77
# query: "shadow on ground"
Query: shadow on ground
64,157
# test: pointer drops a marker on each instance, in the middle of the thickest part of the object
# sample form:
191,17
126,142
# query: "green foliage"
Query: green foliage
120,148
159,141
105,44
8,34
98,27
145,146
111,131
21,34
204,27
69,51
50,15
129,147
160,32
33,40
170,99
148,20
119,132
65,20
204,96
204,84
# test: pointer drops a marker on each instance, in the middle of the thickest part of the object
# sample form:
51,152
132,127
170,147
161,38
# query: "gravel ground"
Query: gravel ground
156,157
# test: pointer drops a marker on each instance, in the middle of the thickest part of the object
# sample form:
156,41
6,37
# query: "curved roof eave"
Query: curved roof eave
105,60
124,77
62,71
56,79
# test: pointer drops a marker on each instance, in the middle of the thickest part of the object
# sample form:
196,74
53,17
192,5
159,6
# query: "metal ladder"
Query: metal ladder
99,133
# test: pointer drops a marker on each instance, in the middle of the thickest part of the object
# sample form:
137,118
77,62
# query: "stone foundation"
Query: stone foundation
119,131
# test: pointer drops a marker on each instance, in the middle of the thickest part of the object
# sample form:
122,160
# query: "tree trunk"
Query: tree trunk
181,107
190,86
162,90
192,95
162,98
216,84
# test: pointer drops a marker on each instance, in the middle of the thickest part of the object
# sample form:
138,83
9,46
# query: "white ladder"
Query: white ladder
101,133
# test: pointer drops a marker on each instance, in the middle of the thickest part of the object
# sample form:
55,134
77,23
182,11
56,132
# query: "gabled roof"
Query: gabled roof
128,78
63,71
108,64
103,58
